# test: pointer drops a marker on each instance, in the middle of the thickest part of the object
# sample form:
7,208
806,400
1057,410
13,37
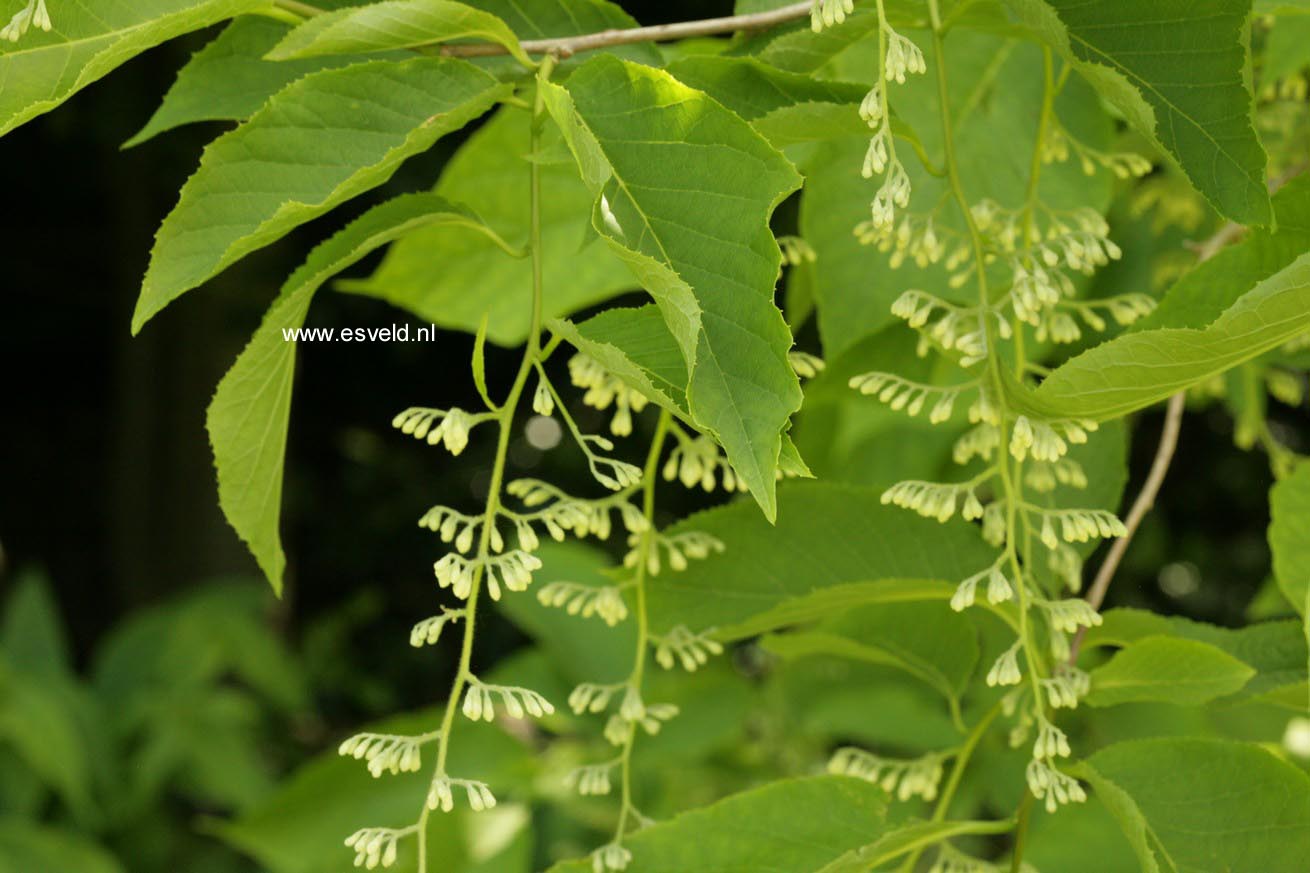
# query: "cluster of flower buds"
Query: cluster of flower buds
1058,144
376,846
1044,476
902,394
1077,525
428,631
603,390
805,365
590,779
904,778
604,601
1049,784
1047,440
698,461
513,569
677,548
479,701
387,753
957,328
1070,615
937,500
826,13
999,588
34,14
796,251
450,427
1068,686
681,645
615,856
1005,670
560,513
441,794
951,860
915,238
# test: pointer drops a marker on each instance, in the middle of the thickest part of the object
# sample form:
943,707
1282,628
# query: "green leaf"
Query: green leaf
1205,291
42,70
454,279
936,646
753,89
548,19
761,830
1168,670
32,634
1176,70
1289,539
908,838
248,417
833,547
1275,649
229,79
39,721
1289,536
27,846
395,24
647,144
1203,805
636,346
1139,369
320,141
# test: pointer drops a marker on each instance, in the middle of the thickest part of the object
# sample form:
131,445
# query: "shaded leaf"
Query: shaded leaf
833,547
1176,70
248,417
761,830
908,838
453,278
1201,805
318,142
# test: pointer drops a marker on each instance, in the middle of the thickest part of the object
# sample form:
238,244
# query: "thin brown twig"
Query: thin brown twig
567,46
1164,455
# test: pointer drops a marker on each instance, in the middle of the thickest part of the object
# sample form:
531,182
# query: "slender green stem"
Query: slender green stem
1021,832
648,480
504,417
962,758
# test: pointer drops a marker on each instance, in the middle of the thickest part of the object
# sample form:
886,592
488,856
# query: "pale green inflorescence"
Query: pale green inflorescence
1039,249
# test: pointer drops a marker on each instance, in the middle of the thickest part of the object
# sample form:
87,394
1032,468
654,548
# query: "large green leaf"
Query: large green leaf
1168,670
791,826
648,146
1136,370
994,85
908,838
936,646
548,19
249,414
229,79
26,847
1176,69
454,279
87,41
833,547
1289,536
1289,539
1198,805
318,142
1275,649
1204,292
753,89
395,24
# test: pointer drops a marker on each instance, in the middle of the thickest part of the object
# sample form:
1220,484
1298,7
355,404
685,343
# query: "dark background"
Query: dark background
106,479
